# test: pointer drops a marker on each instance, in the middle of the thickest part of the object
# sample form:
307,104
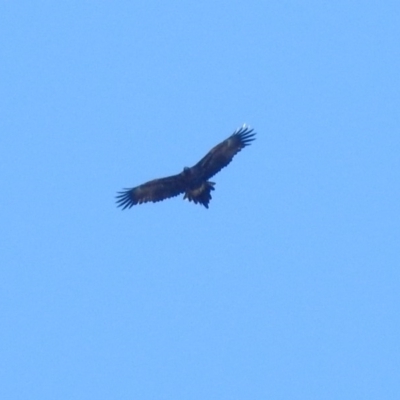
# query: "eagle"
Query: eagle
193,182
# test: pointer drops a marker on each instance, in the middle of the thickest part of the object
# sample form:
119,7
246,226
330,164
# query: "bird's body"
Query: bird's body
193,182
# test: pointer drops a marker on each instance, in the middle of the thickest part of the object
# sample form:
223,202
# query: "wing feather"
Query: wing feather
222,154
155,190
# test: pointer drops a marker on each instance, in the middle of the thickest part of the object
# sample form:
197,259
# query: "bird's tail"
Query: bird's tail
200,194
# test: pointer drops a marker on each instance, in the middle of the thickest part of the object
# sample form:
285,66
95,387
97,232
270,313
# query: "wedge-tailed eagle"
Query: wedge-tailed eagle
193,182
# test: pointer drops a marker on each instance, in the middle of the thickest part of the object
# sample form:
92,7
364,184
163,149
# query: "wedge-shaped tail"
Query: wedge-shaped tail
200,194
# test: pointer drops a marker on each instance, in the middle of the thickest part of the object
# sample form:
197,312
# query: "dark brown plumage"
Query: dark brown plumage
191,181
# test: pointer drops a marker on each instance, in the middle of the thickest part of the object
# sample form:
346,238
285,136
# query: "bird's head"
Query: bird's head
186,171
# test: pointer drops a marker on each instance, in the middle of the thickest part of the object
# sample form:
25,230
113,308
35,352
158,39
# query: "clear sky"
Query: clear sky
287,287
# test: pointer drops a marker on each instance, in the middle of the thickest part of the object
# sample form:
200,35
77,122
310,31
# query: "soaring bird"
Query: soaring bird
193,182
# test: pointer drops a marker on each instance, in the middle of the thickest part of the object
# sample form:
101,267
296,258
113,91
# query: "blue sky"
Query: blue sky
287,287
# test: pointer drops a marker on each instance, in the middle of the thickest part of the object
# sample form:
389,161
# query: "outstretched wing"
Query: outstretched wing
221,155
155,190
